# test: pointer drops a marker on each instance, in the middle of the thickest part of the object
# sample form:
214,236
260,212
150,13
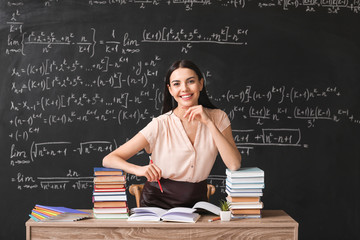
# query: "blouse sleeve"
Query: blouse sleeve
222,121
150,132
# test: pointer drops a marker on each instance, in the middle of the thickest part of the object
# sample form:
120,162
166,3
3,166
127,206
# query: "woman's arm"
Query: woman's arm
224,140
226,146
118,159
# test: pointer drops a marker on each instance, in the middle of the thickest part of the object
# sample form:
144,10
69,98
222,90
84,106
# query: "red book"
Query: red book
98,186
109,189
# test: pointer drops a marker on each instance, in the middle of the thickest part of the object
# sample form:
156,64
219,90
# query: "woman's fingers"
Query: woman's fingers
196,113
158,170
186,113
191,113
153,173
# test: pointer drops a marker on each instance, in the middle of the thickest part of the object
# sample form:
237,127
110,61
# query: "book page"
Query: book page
149,211
144,217
181,217
208,206
180,210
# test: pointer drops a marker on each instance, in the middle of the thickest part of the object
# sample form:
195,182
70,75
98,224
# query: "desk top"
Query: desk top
270,218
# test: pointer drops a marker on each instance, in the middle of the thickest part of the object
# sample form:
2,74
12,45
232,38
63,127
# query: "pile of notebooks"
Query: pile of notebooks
41,213
244,189
109,195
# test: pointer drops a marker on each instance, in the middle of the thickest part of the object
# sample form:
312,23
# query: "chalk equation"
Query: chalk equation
89,43
330,6
72,180
63,79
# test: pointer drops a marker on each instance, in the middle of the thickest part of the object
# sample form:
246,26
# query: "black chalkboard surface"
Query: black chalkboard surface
79,78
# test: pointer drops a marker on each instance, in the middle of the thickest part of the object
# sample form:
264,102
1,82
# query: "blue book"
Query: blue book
244,185
244,190
34,218
101,171
61,209
246,180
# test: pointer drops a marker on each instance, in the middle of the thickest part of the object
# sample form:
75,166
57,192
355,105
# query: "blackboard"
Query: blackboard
79,78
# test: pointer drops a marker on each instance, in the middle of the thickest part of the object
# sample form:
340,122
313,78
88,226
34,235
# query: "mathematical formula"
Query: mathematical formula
112,77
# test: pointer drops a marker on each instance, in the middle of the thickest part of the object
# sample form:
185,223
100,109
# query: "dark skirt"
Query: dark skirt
175,194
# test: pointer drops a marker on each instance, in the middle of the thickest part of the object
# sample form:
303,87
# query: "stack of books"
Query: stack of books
244,189
41,213
109,195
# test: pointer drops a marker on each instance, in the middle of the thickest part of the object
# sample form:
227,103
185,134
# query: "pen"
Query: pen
214,219
151,161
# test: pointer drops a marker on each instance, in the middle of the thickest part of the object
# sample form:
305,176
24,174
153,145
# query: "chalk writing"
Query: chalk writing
72,181
65,81
330,6
218,181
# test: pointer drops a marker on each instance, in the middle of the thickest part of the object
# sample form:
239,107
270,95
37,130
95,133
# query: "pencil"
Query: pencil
151,161
214,219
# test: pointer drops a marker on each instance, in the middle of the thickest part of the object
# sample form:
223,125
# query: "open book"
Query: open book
178,214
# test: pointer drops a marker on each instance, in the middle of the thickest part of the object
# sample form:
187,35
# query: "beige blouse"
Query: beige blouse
172,151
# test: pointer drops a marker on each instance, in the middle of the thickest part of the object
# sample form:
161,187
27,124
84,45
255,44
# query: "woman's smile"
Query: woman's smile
186,96
185,87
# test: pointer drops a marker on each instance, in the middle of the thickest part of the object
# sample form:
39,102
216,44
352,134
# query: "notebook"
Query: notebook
57,214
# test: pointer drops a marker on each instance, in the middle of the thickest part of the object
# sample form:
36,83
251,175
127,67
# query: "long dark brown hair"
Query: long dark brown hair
169,102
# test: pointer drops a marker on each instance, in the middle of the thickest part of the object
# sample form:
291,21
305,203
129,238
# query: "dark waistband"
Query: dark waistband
175,194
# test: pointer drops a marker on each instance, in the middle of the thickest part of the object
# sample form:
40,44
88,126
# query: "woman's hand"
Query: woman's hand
224,140
197,113
151,172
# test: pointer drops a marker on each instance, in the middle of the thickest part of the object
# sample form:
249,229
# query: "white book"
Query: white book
242,203
259,205
244,194
111,215
243,216
244,190
245,172
246,180
109,193
110,210
110,198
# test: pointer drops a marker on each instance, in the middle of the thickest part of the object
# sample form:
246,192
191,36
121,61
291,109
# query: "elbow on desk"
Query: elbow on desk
106,162
235,165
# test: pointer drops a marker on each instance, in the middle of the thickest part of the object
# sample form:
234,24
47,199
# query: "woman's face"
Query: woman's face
185,87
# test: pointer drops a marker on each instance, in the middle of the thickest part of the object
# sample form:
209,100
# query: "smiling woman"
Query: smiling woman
184,142
189,67
185,87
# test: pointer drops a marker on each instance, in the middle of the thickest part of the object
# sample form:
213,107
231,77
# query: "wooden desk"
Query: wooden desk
275,224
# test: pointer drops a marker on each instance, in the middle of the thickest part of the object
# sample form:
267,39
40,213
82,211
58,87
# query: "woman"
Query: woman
184,142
